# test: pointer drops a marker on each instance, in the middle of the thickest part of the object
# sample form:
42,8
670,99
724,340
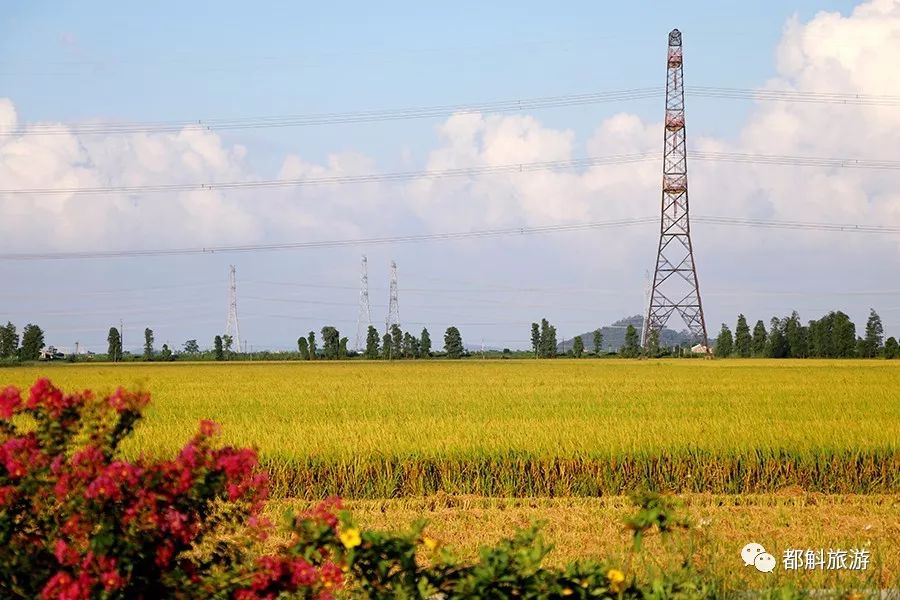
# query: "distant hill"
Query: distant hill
614,336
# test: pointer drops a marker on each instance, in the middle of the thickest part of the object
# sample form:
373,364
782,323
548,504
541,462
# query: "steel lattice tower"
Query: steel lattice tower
393,317
364,320
675,287
232,327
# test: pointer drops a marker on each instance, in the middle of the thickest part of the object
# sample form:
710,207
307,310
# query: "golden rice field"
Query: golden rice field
556,428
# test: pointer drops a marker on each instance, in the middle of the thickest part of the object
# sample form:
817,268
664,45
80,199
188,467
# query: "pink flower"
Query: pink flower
208,428
111,580
303,573
38,391
122,400
62,553
10,400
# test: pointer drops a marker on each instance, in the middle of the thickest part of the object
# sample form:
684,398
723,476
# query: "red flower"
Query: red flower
164,554
303,573
208,428
63,586
122,400
10,400
331,575
65,554
7,493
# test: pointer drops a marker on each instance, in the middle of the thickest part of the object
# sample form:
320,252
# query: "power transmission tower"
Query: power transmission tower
393,317
675,287
364,320
232,328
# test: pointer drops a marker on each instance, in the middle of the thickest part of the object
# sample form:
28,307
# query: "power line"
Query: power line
422,112
341,179
449,236
364,116
594,161
326,243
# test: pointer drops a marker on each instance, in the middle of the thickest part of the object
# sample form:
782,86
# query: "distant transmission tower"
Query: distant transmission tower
232,327
364,320
393,316
675,287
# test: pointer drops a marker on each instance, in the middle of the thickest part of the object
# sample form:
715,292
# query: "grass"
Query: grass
525,428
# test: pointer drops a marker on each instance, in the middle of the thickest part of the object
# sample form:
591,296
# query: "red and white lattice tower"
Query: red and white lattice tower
675,287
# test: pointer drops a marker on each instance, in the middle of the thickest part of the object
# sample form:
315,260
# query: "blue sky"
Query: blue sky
71,62
185,60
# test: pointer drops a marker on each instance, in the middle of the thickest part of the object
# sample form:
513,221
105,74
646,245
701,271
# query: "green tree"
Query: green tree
342,347
453,344
228,342
544,341
114,345
743,343
776,344
408,346
9,341
843,336
396,341
872,346
653,343
598,342
303,348
372,343
724,343
386,351
536,339
891,349
577,346
148,344
311,340
331,339
795,335
760,337
191,347
632,346
218,349
165,354
32,342
425,344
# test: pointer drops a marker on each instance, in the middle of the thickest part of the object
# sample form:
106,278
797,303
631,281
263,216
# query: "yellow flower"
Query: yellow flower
350,538
430,543
615,577
567,592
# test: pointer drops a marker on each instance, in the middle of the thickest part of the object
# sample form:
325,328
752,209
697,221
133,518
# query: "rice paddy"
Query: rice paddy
562,428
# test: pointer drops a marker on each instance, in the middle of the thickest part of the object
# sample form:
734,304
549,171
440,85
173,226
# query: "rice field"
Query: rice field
561,428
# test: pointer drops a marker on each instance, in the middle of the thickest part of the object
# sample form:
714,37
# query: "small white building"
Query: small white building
699,349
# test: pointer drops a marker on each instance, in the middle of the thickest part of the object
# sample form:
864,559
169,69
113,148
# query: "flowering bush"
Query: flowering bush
77,521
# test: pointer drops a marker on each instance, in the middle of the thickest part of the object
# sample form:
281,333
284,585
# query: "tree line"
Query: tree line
395,344
832,336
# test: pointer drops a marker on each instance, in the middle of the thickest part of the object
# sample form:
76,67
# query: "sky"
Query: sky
68,66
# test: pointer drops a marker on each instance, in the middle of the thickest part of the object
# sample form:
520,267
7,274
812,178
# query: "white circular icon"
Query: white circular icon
750,552
764,562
